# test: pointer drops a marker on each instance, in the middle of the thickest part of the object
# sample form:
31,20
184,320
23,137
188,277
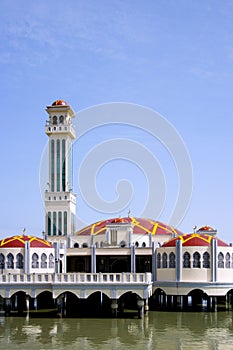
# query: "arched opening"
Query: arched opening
99,304
128,301
158,301
186,260
43,263
206,260
172,261
46,303
2,262
196,260
10,261
35,261
19,261
18,302
164,260
220,261
198,299
68,304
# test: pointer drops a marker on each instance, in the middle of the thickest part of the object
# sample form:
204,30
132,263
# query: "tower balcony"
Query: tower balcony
60,129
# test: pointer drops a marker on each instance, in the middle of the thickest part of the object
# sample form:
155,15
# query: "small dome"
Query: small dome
140,226
19,242
194,240
59,103
206,228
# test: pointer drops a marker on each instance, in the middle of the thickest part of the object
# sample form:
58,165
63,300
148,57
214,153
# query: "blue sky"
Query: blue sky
175,57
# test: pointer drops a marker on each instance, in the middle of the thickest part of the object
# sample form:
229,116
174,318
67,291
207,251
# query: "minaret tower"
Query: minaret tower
60,201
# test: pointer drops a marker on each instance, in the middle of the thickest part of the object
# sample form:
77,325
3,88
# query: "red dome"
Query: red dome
19,242
206,228
140,226
59,103
194,240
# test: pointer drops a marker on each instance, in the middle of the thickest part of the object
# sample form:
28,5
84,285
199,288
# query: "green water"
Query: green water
158,330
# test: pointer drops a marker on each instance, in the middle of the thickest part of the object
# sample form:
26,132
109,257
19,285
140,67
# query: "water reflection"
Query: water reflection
158,330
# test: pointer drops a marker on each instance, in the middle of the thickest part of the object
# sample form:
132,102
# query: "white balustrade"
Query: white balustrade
77,278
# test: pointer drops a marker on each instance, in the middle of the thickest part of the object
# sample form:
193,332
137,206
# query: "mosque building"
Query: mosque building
109,263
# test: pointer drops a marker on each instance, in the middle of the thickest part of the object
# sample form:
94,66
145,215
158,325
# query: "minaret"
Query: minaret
60,201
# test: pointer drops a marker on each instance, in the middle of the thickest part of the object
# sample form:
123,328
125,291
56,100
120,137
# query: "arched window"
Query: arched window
85,245
164,260
101,244
172,260
43,263
228,260
143,245
186,260
19,261
220,261
35,262
97,244
196,260
206,260
136,244
2,261
76,245
61,119
10,261
159,261
55,120
51,261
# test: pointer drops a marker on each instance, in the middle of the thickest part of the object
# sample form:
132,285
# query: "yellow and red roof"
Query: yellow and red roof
59,103
19,242
194,240
140,226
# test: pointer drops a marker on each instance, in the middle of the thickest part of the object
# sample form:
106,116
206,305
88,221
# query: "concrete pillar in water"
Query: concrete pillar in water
35,303
7,306
114,307
140,304
146,306
27,303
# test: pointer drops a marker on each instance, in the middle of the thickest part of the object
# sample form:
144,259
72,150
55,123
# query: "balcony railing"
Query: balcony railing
77,278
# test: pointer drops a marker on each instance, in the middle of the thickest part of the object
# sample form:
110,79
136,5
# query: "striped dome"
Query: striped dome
19,242
140,226
194,240
59,103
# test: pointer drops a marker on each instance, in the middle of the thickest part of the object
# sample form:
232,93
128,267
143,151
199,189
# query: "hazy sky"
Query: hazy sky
175,57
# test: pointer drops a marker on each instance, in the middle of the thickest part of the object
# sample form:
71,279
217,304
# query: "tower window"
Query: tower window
10,261
186,261
61,119
164,260
65,223
35,263
196,260
158,260
220,260
43,261
19,261
55,120
206,260
172,260
54,223
2,261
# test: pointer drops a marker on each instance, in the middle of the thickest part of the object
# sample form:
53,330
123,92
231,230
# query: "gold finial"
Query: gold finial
128,213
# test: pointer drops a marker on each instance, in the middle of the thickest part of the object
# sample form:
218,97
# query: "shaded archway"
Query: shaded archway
128,301
99,304
68,304
199,299
46,304
158,301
